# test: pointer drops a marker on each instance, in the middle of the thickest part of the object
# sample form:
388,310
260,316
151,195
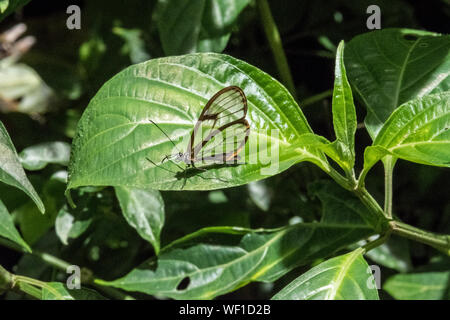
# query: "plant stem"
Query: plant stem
30,290
273,37
61,265
377,242
320,96
389,163
438,241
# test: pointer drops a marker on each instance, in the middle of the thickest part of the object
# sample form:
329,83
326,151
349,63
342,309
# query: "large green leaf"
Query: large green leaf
418,131
144,211
214,261
188,26
344,114
58,291
115,135
419,286
7,228
38,156
11,171
392,66
346,277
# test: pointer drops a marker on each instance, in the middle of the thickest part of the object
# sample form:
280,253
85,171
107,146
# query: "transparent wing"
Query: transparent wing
224,145
221,126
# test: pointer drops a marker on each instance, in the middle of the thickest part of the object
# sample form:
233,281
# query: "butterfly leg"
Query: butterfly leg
160,166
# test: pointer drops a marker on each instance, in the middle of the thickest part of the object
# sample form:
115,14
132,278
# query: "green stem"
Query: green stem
318,97
62,265
6,280
274,39
438,241
30,290
389,163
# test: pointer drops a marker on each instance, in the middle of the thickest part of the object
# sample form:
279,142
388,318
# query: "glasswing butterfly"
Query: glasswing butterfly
219,134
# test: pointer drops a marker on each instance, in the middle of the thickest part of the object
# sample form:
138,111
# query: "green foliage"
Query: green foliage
116,129
7,228
144,211
11,171
417,131
390,67
344,277
38,156
419,286
96,110
58,291
9,6
196,25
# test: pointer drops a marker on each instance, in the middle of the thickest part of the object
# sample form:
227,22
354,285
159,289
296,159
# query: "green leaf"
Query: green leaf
214,261
392,66
59,291
144,211
346,277
394,254
8,229
116,131
344,114
418,131
38,156
71,223
9,6
419,286
188,26
11,171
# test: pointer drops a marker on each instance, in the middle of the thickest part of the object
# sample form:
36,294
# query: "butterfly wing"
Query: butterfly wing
221,130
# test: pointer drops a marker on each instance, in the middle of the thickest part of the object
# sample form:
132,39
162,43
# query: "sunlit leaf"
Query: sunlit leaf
344,114
392,66
11,171
116,130
418,131
345,277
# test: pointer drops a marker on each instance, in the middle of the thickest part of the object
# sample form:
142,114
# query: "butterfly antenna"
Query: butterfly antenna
164,134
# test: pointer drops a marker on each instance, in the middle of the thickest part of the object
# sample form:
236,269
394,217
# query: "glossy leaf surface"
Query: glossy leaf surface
392,66
418,131
345,277
115,137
